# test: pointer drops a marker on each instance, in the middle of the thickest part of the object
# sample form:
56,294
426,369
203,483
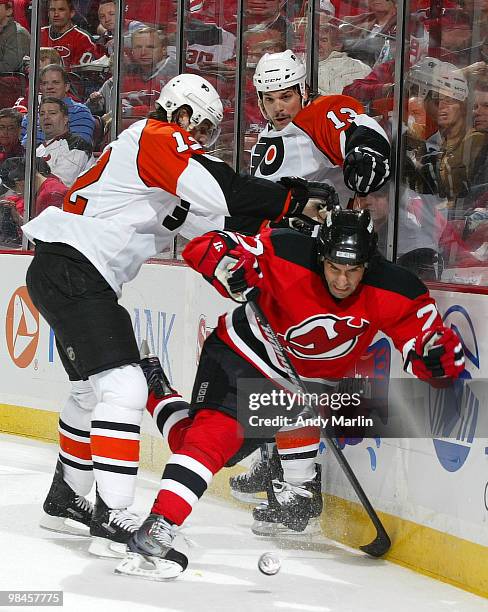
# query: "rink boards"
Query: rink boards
431,493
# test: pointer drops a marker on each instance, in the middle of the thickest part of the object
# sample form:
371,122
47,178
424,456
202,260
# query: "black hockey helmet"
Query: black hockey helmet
347,237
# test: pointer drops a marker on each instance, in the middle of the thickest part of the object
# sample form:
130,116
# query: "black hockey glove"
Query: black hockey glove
303,190
365,170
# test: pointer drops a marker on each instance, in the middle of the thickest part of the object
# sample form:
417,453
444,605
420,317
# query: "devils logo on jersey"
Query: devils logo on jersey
324,336
268,155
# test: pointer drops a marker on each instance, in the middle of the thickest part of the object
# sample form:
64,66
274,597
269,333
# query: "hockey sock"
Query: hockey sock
74,437
171,417
209,442
298,449
115,432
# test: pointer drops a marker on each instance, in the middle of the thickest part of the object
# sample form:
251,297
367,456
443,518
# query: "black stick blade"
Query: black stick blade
378,547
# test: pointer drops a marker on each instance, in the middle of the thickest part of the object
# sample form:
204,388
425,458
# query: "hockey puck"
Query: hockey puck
269,564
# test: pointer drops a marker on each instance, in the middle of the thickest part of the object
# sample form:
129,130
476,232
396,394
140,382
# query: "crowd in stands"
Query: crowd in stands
443,209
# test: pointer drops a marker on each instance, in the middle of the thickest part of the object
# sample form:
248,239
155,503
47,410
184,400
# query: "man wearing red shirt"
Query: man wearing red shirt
74,45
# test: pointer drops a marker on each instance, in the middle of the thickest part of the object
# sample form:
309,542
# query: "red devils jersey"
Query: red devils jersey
324,336
74,46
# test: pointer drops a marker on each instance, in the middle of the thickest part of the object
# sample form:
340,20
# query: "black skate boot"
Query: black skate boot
150,552
111,529
246,486
292,511
64,510
157,381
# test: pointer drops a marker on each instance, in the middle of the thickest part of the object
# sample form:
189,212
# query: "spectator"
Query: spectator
150,67
379,83
480,121
370,36
418,236
54,82
22,13
459,146
49,55
160,13
10,122
74,45
107,11
454,32
66,154
266,14
50,191
14,40
336,69
223,14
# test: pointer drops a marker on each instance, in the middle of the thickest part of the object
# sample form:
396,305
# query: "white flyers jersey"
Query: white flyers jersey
129,205
312,145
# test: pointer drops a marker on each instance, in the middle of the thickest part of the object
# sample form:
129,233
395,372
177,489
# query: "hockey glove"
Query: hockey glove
302,190
365,170
241,275
437,353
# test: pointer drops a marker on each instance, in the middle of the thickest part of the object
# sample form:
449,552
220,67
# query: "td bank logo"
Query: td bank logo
22,328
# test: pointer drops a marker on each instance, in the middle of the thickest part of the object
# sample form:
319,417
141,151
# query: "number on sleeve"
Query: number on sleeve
182,146
76,204
338,123
177,217
429,310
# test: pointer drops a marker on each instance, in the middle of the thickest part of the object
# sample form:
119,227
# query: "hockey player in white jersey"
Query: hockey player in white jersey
329,138
122,211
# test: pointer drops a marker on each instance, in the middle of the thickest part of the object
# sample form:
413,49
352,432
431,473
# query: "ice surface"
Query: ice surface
315,576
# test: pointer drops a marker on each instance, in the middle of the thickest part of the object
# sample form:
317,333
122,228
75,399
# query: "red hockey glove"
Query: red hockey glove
207,256
437,353
241,276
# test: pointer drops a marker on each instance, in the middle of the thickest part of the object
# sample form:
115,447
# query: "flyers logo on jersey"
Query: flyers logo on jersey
324,336
22,328
268,156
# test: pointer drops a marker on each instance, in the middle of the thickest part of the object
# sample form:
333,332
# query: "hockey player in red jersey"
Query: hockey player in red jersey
327,139
122,211
347,293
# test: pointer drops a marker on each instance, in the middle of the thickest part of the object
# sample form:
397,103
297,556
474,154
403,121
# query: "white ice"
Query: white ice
318,576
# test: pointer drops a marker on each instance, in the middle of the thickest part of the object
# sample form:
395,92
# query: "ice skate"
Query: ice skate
246,487
157,381
111,529
150,552
294,509
64,510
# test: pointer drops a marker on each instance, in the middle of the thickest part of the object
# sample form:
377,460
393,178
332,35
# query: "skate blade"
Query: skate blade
101,547
61,524
266,529
247,498
155,568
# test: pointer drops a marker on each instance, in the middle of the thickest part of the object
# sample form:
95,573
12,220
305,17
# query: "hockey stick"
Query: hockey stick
381,544
270,496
